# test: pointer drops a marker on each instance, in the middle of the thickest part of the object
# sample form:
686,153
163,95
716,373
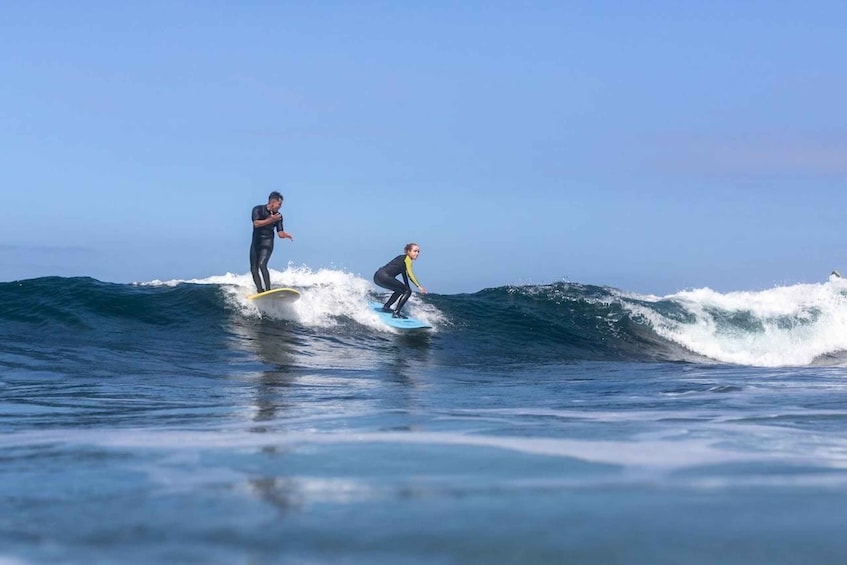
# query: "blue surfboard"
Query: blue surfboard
399,323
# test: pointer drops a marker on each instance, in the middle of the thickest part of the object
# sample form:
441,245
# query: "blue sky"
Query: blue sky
653,148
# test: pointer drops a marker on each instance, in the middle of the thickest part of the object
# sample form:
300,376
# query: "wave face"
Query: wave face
783,326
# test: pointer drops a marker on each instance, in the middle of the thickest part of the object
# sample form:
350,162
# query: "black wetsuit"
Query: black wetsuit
386,275
262,247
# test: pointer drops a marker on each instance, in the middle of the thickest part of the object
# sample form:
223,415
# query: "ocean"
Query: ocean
178,422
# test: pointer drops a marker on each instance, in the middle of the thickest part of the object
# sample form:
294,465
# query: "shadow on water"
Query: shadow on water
275,346
342,364
297,376
405,353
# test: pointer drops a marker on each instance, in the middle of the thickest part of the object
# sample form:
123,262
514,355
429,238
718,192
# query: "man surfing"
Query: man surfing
266,218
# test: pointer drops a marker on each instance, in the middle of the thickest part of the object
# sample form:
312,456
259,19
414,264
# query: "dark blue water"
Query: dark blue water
178,423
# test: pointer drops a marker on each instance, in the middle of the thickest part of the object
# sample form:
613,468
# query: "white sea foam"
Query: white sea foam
781,326
649,453
326,296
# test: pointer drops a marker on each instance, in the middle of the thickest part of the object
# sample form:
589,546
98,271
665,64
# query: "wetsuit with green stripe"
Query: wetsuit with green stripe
386,275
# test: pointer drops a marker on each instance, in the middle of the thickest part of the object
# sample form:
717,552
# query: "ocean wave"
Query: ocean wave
782,326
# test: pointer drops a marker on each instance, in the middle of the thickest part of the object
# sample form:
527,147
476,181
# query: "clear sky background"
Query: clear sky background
651,146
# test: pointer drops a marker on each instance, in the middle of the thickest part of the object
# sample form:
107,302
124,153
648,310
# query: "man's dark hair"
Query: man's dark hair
275,196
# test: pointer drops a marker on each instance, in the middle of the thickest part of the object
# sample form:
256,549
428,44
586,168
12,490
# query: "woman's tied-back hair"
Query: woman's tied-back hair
275,196
409,247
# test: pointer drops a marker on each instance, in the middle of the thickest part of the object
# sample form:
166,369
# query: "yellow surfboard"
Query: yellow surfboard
277,295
